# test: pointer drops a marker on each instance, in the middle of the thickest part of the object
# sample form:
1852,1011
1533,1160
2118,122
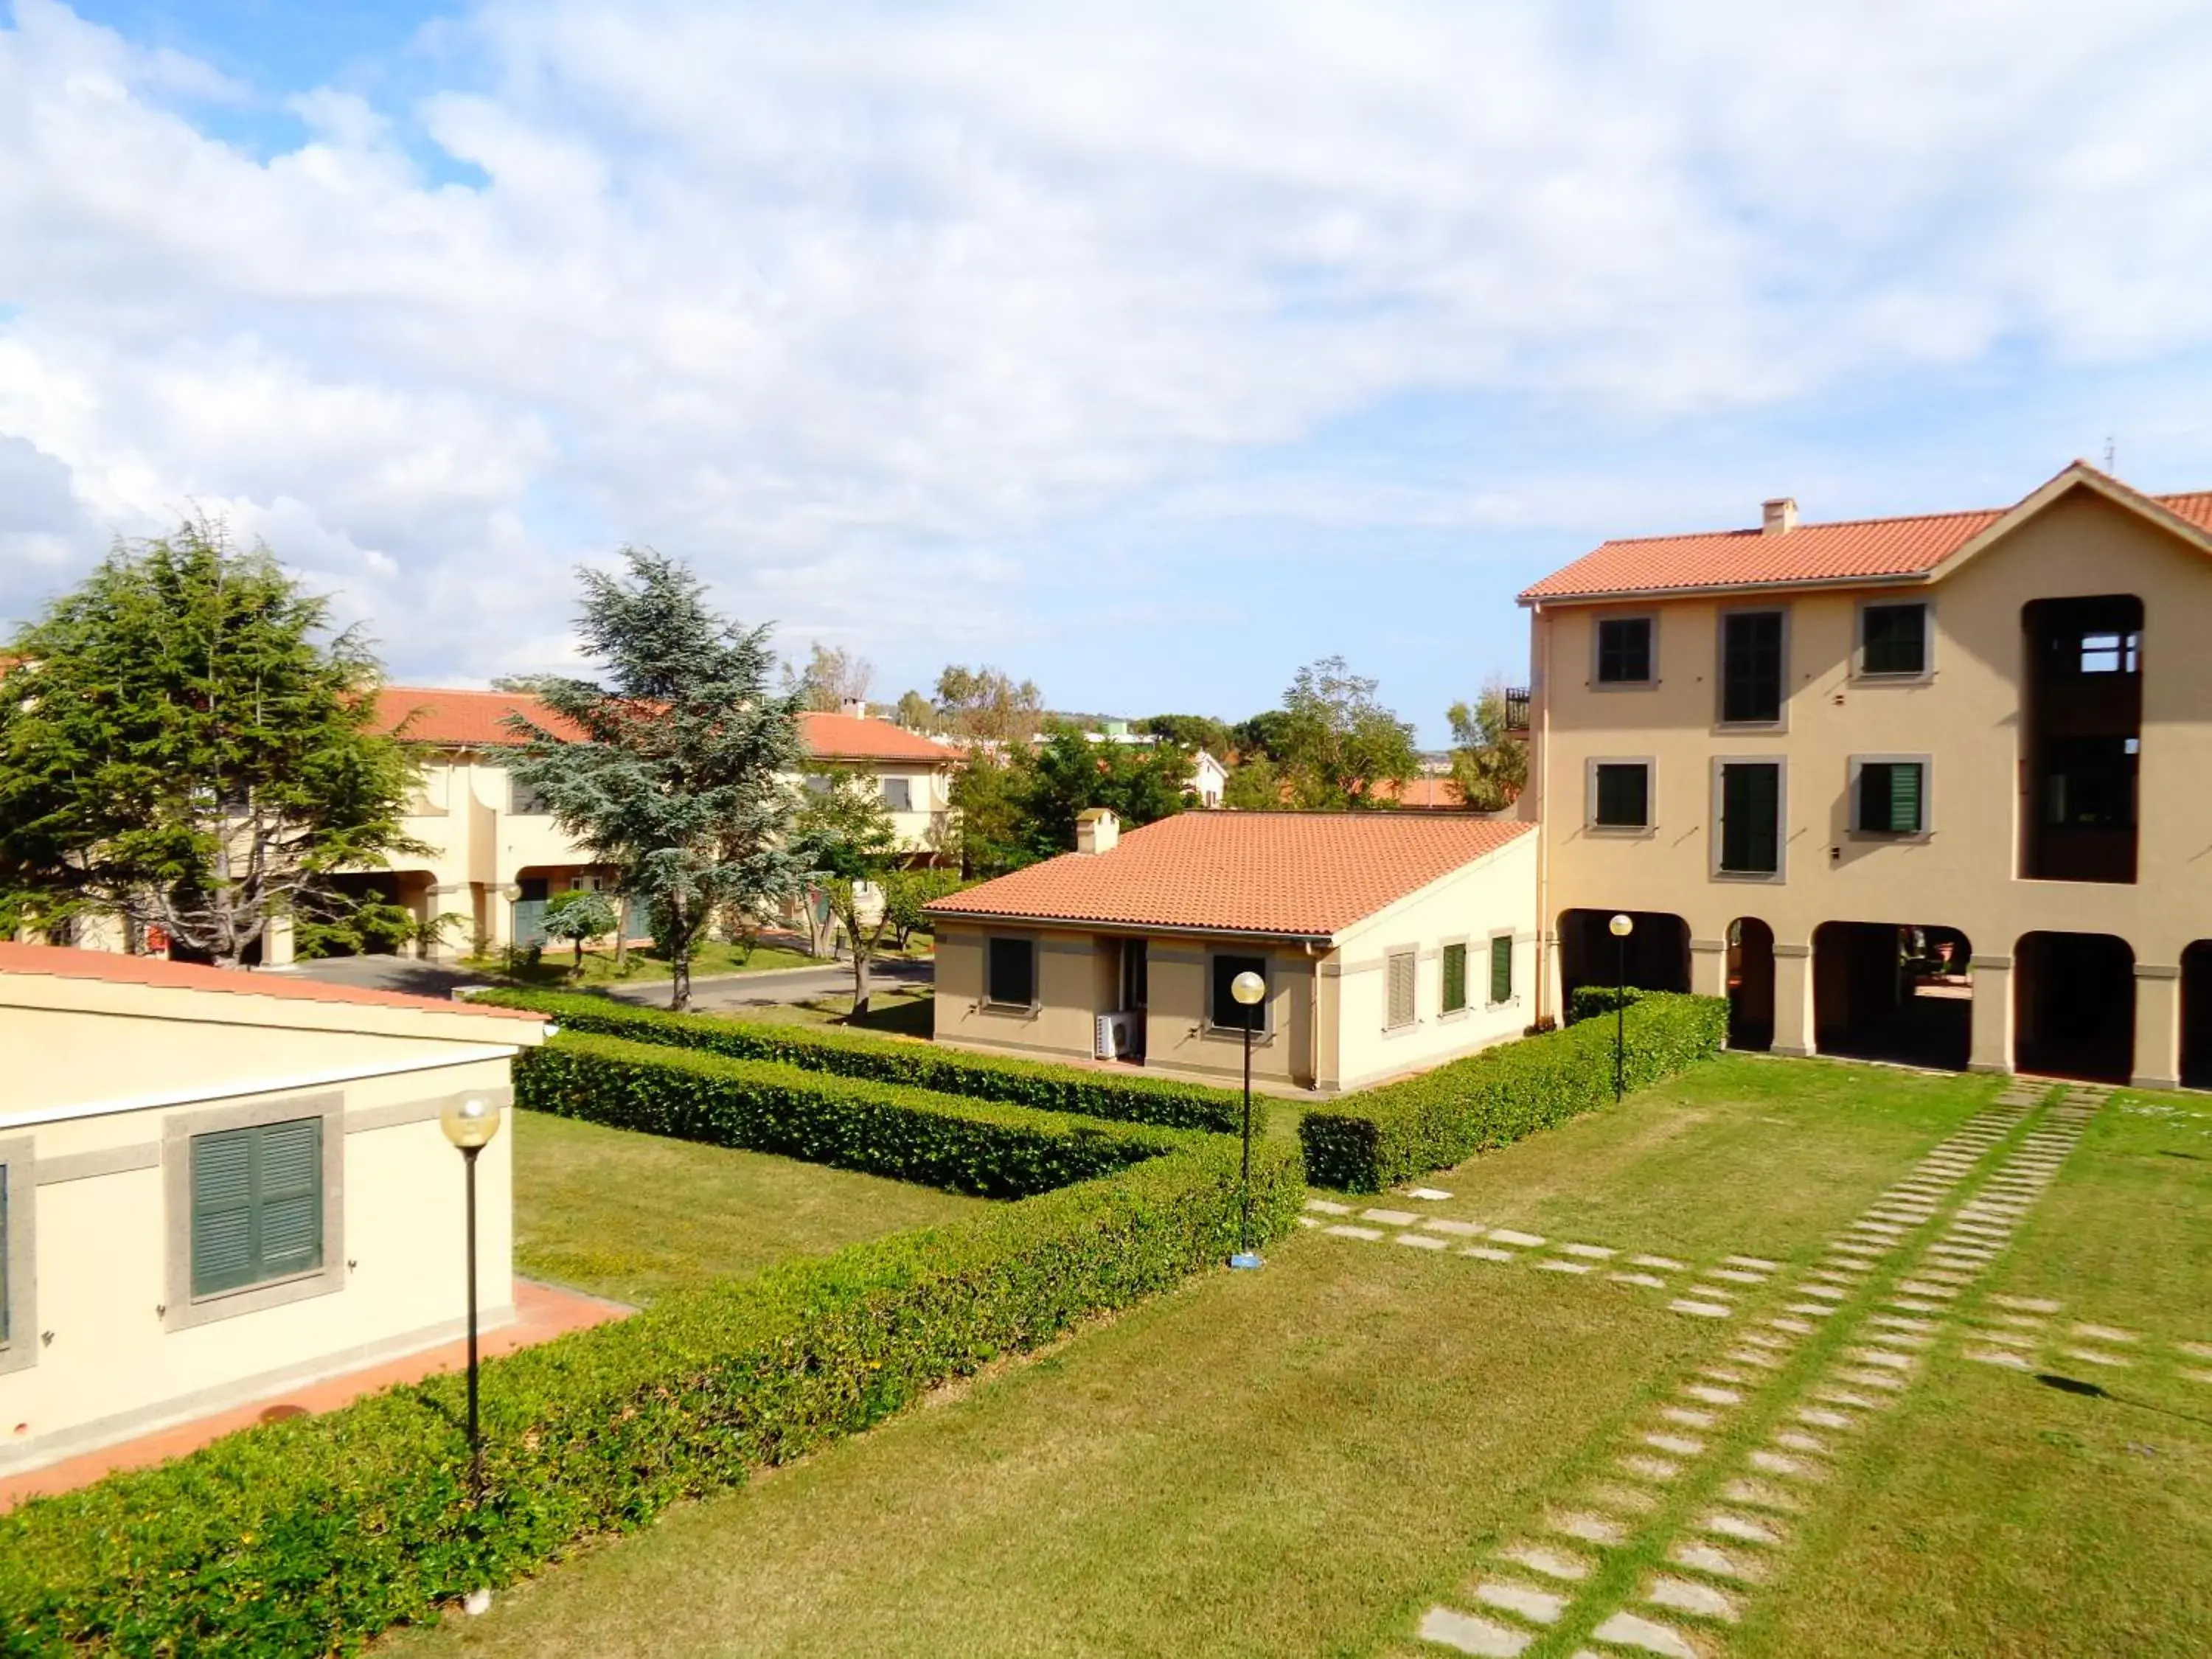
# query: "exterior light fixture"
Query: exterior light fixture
469,1122
1620,928
1249,990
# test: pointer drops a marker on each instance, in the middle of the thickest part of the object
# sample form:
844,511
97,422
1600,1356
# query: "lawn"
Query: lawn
1316,1458
629,1216
557,967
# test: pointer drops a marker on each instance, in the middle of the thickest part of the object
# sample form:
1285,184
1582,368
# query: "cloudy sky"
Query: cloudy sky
1148,351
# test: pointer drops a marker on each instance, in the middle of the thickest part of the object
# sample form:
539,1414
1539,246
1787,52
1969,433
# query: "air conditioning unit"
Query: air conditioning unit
1117,1035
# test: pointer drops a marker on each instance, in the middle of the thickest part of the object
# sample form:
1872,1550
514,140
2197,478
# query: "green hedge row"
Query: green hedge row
885,1129
894,1060
1588,1001
307,1537
1379,1137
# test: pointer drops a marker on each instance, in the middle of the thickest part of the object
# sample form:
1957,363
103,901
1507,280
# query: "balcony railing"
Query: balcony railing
1516,710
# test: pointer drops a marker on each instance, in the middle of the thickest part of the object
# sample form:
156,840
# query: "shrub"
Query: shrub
885,1129
902,1060
307,1536
1372,1139
1588,1001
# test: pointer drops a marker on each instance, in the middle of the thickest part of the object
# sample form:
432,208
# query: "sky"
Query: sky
1147,351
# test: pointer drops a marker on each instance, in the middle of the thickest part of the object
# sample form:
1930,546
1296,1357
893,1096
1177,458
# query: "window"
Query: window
1455,978
1893,798
1620,795
1399,970
1227,1013
18,1318
1624,651
1751,818
898,794
1009,980
1894,639
2112,653
522,800
256,1205
1751,668
1501,969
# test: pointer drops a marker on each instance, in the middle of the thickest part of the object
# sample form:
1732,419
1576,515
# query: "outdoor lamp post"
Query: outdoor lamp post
469,1122
1621,926
1249,988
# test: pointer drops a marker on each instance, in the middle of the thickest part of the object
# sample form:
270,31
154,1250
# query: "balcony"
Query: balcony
1517,711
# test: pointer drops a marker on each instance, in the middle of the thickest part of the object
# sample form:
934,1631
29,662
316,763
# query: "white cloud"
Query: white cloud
878,301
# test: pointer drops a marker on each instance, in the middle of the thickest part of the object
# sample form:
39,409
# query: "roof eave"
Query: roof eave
1033,919
1718,590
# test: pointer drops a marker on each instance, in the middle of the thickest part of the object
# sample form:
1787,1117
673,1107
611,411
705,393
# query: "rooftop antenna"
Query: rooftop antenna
2109,452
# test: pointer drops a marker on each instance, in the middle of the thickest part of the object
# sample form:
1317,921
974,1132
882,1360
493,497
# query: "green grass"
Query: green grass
557,967
631,1216
1301,1461
900,1010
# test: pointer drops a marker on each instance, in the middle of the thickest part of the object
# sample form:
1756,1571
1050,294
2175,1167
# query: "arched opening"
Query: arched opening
375,912
1750,983
1895,991
2196,1015
2074,1006
1656,956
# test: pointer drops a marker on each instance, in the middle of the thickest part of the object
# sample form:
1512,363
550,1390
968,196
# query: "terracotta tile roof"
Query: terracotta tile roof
1304,874
1852,548
478,720
62,962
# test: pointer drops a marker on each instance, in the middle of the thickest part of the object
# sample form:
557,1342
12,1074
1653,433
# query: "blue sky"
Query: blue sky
1148,354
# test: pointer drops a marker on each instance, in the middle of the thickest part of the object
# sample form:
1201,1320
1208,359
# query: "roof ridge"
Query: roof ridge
1822,524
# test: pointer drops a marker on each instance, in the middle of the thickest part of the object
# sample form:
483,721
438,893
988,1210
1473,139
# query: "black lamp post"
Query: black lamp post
1621,926
1249,989
470,1123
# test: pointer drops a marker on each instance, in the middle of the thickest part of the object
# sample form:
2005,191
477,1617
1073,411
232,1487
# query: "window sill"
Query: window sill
1009,1010
1621,831
1923,677
1889,838
1755,877
254,1299
1751,728
1235,1034
1453,1015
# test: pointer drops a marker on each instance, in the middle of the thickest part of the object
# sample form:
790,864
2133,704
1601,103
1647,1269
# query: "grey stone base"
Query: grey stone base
1988,1069
1789,1052
2154,1082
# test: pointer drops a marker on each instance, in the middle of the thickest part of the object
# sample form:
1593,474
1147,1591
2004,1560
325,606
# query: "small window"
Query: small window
1010,973
19,1315
1751,668
898,794
1623,795
256,1205
1895,639
1399,967
2112,653
1501,969
1226,1012
1751,818
1624,651
523,801
1893,798
1455,978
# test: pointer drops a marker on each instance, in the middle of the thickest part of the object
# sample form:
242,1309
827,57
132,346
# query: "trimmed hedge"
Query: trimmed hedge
307,1536
1588,1001
885,1129
944,1071
1379,1137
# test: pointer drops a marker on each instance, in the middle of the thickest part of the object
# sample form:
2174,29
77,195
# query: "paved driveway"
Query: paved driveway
720,994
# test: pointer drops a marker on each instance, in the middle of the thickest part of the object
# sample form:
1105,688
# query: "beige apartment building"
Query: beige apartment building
215,1186
1388,942
1930,788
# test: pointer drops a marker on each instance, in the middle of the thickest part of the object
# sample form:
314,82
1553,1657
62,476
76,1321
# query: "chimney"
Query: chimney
1097,831
1779,516
855,707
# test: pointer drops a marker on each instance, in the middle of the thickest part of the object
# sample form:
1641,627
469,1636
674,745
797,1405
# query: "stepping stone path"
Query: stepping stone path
1944,1245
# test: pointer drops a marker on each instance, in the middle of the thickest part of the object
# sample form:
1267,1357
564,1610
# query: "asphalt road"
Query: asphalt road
722,992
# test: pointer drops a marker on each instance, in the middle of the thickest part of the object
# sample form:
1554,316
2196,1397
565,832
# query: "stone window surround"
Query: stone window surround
1722,726
1265,1031
20,1349
1927,830
1643,831
1884,601
1781,872
181,1311
1030,1009
1466,977
1643,615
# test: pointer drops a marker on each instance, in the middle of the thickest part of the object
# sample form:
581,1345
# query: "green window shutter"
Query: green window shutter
1501,969
256,1205
1624,792
222,1212
1875,795
1904,798
1399,1011
1751,833
1455,997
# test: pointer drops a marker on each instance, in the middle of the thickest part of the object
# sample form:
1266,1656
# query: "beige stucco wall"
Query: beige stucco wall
1967,719
107,1241
1325,1005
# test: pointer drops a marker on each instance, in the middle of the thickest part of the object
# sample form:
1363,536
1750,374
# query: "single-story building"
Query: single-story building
1389,942
216,1185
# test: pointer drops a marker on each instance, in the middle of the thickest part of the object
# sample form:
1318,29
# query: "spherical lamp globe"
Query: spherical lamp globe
1248,987
469,1122
1621,926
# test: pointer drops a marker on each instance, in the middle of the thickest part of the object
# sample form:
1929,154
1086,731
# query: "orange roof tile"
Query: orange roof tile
1850,550
64,962
1303,874
478,720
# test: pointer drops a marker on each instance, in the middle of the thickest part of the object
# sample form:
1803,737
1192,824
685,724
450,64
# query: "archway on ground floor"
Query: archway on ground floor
2074,1006
536,885
364,914
1894,991
2196,1015
1750,983
1656,958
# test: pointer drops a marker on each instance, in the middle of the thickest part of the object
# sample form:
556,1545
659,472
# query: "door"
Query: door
1136,973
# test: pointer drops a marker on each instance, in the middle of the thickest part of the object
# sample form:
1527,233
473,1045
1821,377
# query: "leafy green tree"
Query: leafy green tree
580,916
989,818
907,895
678,780
1265,734
1140,783
845,833
183,744
1191,731
1340,743
1255,786
833,677
917,714
1489,766
986,704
